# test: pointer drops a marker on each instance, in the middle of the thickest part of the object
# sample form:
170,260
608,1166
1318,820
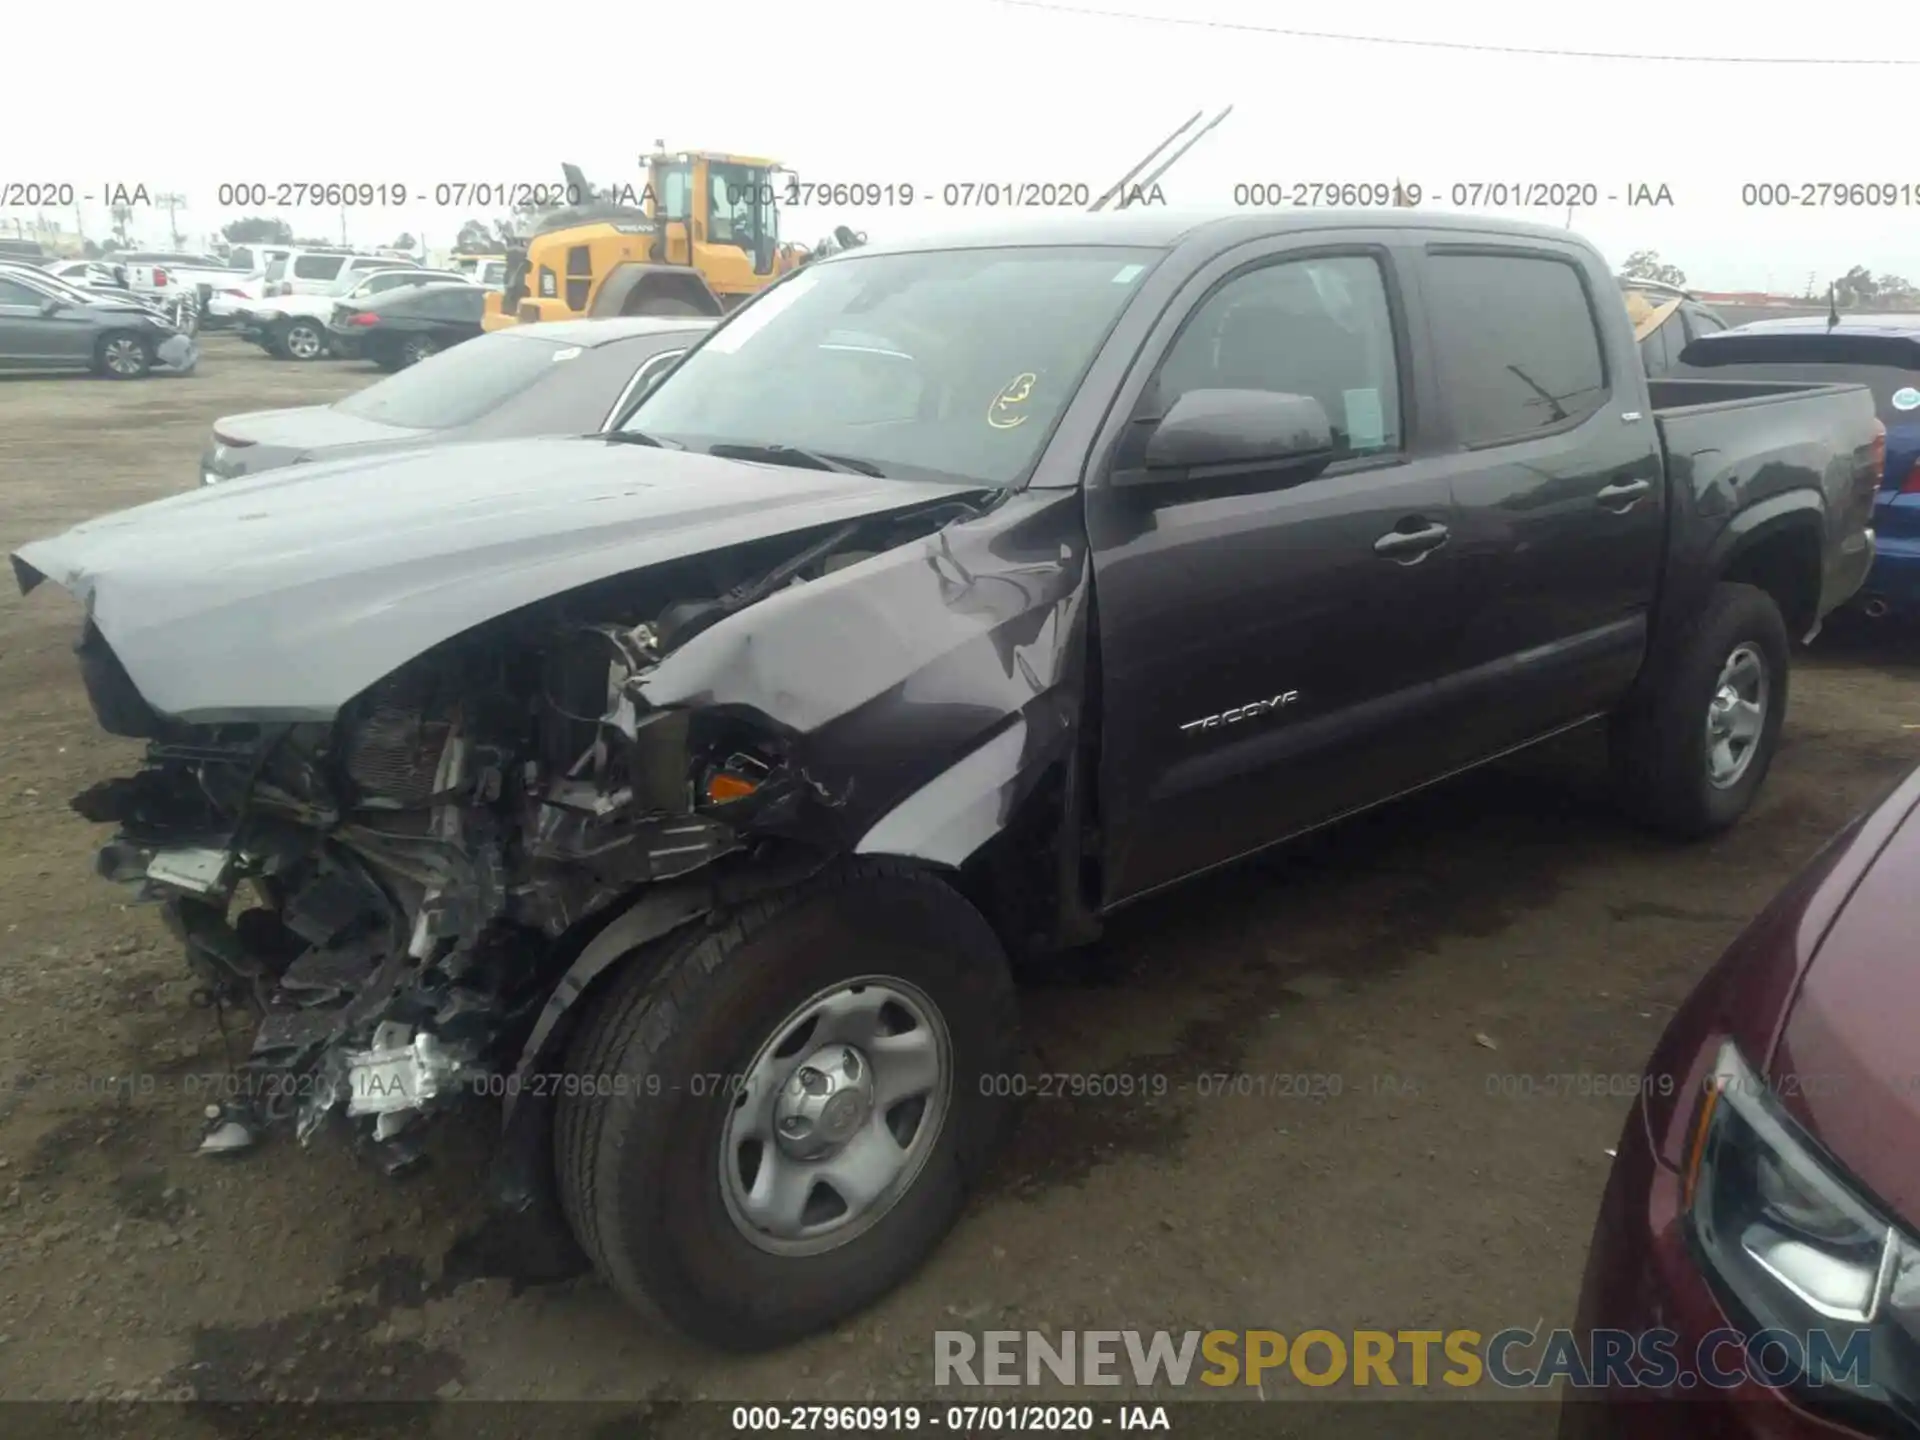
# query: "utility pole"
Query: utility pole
173,201
343,224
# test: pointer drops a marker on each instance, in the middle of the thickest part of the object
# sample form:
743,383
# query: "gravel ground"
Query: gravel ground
1504,925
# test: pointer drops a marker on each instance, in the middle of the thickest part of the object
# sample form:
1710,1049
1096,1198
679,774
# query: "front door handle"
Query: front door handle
1408,546
1622,498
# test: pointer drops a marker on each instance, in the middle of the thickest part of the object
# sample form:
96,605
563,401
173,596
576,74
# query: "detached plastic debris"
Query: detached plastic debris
229,1129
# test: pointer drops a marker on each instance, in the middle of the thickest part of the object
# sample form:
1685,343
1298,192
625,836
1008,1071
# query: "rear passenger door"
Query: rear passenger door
1269,643
1558,477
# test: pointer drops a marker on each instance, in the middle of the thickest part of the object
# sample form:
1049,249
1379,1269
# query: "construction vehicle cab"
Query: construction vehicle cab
699,238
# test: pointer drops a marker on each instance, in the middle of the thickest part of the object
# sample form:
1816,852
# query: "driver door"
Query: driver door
1268,650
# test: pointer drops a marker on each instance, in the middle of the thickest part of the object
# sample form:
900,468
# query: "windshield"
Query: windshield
951,363
459,385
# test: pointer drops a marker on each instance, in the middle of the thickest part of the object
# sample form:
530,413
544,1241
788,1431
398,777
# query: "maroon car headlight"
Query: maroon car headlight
1794,1250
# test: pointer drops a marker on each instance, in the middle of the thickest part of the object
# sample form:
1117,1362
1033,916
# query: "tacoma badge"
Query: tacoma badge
1243,712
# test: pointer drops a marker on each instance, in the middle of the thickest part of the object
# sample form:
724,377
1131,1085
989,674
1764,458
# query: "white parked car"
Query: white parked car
311,272
251,259
202,274
294,327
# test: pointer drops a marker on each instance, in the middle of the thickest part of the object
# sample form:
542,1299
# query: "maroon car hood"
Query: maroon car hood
1852,1038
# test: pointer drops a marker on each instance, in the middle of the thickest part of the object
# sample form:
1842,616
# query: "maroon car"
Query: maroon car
1755,1269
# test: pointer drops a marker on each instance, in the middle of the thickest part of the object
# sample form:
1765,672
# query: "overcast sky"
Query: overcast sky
932,92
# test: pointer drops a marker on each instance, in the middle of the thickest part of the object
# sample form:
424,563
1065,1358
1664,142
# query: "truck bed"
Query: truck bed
1742,443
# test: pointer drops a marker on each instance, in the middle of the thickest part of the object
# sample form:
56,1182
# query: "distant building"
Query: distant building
55,241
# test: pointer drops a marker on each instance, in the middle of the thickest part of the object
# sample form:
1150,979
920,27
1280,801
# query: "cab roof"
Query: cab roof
1158,228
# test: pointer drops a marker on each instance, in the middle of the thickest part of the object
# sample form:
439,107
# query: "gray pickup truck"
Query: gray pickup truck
693,788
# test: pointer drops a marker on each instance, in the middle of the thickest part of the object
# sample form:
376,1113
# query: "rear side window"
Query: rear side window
1660,351
1701,321
316,267
458,385
277,268
1519,347
374,284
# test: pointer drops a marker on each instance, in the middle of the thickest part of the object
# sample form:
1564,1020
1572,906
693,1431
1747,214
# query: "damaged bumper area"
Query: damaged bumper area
391,895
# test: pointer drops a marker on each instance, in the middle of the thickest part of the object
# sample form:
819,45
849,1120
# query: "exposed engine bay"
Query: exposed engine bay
389,896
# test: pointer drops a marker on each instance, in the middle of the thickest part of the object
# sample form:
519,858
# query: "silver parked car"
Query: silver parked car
46,324
566,377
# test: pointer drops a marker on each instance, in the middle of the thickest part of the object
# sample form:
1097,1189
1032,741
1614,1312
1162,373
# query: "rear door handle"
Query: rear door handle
1407,546
1621,498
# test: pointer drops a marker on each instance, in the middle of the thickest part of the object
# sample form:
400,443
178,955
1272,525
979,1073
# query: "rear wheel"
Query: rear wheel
303,340
122,355
769,1125
1691,756
416,349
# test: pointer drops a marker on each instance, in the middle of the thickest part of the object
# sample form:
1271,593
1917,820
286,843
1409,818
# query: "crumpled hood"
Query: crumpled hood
283,598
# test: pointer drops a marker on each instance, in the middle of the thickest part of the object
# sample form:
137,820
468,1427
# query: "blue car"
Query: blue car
1881,352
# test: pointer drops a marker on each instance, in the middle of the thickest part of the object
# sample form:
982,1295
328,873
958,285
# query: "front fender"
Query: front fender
932,678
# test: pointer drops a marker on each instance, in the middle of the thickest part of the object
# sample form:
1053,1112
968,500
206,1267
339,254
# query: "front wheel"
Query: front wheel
1690,756
772,1123
122,355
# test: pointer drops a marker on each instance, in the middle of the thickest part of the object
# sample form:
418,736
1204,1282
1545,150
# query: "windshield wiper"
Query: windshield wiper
794,455
640,437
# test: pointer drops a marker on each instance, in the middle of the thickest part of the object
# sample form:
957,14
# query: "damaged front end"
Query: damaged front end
393,894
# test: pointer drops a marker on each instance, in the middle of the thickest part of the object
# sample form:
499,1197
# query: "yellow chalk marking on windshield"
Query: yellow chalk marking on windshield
1003,413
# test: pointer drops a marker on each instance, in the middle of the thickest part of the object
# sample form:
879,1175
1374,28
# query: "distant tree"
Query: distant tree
1896,292
258,230
1647,265
1857,287
122,215
405,242
89,250
474,235
110,246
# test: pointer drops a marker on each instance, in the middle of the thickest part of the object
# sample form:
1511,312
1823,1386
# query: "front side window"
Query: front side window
1319,327
1519,348
948,363
12,292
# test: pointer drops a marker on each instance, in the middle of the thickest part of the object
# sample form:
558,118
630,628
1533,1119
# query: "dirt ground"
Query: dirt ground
1504,925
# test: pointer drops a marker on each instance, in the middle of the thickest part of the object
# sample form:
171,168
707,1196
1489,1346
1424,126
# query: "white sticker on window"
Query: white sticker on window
1906,398
1127,273
1366,423
567,354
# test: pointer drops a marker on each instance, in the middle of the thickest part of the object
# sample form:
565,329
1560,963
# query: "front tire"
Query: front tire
1690,755
777,1120
122,355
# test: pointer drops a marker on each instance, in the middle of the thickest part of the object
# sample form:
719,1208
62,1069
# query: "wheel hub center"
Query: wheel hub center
825,1103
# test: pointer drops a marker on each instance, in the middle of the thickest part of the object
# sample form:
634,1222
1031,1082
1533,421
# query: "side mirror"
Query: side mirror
52,306
1208,428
